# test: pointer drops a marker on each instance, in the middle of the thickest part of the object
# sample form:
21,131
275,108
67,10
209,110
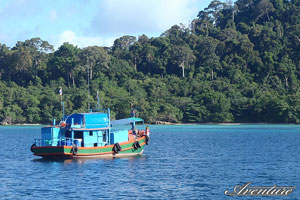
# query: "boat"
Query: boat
93,134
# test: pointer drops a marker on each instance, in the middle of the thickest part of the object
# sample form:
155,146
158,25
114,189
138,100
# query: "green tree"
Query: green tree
64,62
181,56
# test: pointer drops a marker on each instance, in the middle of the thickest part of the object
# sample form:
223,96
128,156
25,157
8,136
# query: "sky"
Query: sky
91,22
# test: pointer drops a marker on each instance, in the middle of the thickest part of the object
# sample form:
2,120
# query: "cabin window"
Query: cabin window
78,134
68,134
91,133
95,144
104,137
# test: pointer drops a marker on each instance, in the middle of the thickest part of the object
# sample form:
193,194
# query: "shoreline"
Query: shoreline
227,124
26,124
174,124
23,124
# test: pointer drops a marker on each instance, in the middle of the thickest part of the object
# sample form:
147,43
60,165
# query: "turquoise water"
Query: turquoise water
181,162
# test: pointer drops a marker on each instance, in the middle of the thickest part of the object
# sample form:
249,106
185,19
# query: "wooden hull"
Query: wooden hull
89,152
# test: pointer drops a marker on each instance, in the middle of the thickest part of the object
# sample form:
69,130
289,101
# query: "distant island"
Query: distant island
236,62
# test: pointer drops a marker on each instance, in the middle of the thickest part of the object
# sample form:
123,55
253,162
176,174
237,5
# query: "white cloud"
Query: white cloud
82,41
134,17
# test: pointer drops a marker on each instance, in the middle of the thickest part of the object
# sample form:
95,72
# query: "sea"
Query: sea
180,162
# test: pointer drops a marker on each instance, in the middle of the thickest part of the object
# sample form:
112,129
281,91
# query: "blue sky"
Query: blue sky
91,22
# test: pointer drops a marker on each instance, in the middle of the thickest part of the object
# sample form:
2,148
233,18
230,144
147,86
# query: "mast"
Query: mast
98,101
88,73
62,103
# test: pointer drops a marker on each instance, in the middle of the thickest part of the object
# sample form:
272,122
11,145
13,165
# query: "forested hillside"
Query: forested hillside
235,63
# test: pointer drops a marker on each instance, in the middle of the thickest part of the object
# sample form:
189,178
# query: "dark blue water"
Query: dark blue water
181,162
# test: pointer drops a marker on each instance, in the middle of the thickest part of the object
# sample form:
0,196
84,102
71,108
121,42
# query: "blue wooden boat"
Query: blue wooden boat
91,135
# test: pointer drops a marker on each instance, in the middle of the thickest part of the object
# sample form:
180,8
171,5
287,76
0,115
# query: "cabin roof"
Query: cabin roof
126,121
89,120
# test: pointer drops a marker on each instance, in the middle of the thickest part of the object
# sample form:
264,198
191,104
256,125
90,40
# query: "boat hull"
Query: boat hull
90,152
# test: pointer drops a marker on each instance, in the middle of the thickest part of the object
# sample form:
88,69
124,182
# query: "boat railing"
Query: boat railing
54,142
65,141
